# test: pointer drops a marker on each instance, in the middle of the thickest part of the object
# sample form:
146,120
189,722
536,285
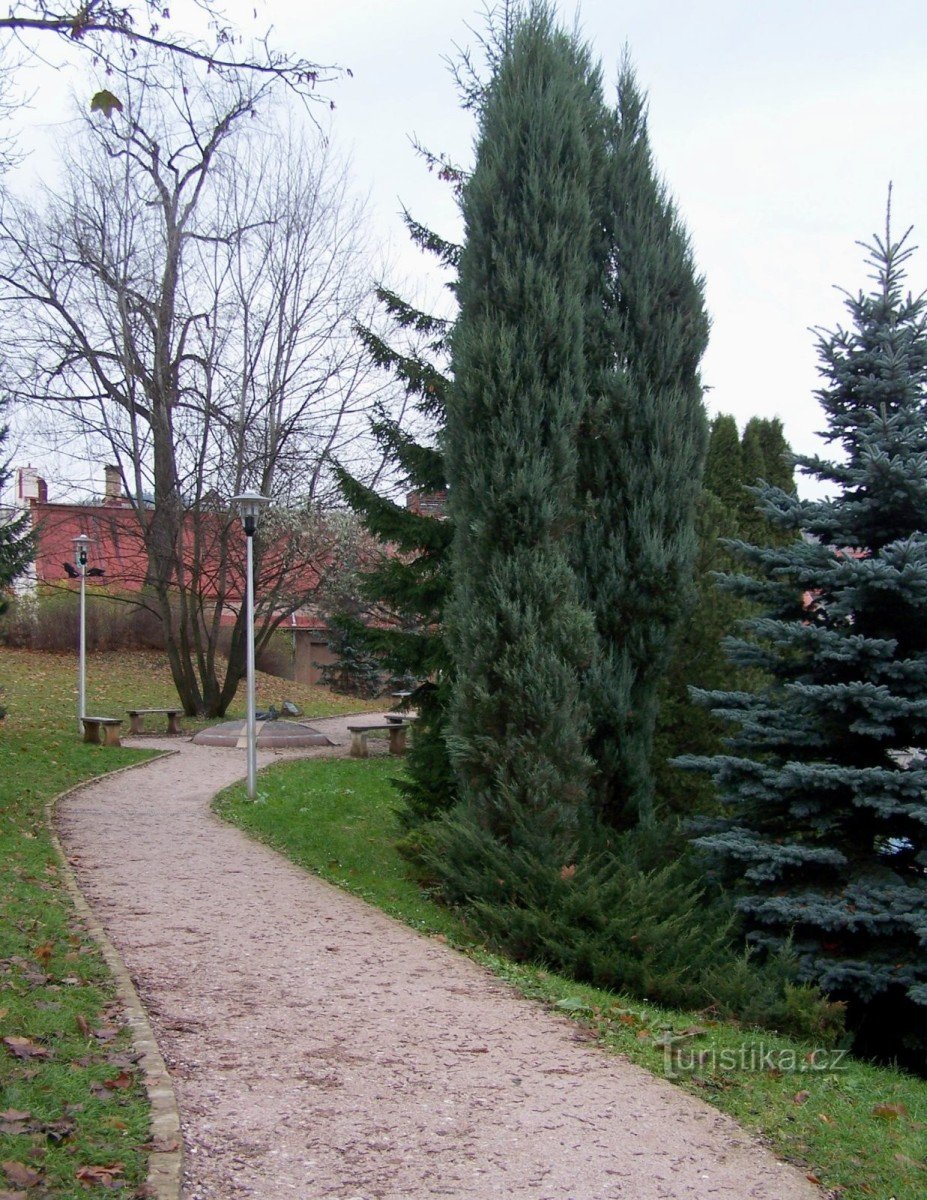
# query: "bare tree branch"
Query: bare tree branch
188,304
98,26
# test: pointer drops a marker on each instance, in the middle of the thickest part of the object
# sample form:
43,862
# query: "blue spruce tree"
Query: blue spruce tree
824,783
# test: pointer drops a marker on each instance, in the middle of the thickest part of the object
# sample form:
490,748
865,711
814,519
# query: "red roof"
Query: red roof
116,546
118,549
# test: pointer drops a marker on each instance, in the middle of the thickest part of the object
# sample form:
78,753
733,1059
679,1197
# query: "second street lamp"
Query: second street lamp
249,506
81,547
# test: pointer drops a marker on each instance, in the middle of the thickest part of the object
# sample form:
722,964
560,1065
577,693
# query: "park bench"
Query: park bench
107,726
138,716
395,729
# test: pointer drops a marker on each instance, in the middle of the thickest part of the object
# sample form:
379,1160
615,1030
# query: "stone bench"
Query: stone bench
138,716
395,729
108,727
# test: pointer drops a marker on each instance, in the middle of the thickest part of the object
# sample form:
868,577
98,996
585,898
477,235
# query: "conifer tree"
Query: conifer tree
825,832
726,468
765,457
641,456
734,466
518,631
698,660
411,585
17,542
777,458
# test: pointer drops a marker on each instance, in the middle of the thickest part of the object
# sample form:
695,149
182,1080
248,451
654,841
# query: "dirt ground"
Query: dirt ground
319,1050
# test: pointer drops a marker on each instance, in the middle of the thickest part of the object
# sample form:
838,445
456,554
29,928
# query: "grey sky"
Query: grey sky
777,127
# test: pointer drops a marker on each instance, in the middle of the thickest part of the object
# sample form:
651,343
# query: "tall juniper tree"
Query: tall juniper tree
824,781
641,455
518,631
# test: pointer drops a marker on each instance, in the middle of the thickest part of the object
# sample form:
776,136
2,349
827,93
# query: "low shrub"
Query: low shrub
610,918
50,622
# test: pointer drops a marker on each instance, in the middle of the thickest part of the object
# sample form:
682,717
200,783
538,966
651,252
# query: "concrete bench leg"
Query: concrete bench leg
397,740
173,723
137,721
359,745
92,732
111,735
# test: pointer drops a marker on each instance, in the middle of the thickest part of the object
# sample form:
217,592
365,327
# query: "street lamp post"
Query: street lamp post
81,545
249,506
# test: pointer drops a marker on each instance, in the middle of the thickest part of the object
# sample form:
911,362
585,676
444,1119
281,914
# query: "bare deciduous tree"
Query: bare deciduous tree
187,306
106,28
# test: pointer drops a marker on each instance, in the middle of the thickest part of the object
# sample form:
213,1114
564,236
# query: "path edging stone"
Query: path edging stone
165,1166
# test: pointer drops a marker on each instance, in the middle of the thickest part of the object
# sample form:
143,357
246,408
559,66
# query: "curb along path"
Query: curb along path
321,1051
164,1159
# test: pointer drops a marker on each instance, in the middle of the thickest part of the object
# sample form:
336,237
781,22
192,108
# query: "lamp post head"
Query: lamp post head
81,546
249,506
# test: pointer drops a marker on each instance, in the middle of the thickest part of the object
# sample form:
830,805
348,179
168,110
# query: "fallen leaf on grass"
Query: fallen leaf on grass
13,1195
572,1004
30,972
800,1097
44,952
20,1175
122,1080
11,1127
99,1176
58,1131
23,1047
83,1025
106,1033
890,1112
122,1062
813,1179
14,1114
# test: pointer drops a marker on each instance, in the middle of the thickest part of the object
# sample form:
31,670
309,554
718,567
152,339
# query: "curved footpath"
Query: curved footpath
320,1050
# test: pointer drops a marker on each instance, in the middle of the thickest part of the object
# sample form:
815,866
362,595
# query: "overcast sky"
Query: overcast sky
777,126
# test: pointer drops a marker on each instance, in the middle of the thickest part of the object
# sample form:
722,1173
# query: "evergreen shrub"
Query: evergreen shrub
354,672
632,917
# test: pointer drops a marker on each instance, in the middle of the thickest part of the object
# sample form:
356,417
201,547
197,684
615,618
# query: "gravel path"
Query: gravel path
321,1051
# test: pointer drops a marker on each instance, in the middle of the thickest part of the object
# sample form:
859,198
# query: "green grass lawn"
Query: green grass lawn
73,1116
858,1129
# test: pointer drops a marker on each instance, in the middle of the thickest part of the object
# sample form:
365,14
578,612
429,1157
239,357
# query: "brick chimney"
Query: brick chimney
112,488
31,489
